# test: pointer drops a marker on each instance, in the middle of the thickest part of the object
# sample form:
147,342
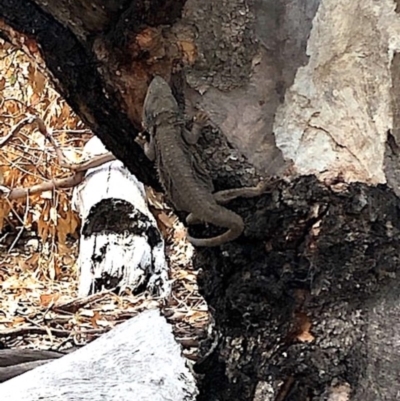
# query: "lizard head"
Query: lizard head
159,99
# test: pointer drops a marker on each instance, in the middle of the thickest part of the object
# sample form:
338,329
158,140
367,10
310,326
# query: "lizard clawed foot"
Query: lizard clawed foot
263,185
141,139
200,119
199,122
266,185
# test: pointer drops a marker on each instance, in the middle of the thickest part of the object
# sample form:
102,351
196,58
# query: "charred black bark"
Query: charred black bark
307,300
74,68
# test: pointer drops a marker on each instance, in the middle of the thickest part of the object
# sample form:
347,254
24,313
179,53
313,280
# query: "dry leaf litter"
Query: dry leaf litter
39,307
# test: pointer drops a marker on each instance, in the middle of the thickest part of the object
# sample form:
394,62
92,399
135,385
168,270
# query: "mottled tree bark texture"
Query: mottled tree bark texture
306,301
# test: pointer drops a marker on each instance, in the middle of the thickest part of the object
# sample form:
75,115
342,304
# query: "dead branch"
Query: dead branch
11,357
57,183
23,331
95,161
22,227
15,131
76,304
9,372
78,168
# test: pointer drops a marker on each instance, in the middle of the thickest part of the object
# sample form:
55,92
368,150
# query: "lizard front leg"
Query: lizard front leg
199,122
148,146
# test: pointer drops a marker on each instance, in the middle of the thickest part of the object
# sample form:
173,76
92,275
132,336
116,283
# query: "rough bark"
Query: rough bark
310,300
306,300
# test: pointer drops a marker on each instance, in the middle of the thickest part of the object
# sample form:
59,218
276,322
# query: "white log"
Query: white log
120,244
137,360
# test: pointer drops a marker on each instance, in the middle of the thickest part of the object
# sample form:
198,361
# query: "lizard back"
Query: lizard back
183,178
186,183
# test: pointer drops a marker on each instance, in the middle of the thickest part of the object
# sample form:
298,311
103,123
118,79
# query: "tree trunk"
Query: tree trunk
306,301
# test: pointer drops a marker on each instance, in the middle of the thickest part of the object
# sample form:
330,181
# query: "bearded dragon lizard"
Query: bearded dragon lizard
185,182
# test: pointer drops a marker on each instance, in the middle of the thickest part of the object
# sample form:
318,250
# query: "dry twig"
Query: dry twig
79,169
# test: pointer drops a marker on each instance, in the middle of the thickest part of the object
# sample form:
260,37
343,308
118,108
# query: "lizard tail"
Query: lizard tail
235,228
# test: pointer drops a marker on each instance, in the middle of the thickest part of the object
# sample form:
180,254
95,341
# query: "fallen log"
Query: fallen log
137,360
120,245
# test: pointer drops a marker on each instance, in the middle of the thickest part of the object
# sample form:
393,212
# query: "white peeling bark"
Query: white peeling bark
337,113
320,84
120,244
137,360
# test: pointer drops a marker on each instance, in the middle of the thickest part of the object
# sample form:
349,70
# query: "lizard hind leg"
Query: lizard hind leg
225,196
192,219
